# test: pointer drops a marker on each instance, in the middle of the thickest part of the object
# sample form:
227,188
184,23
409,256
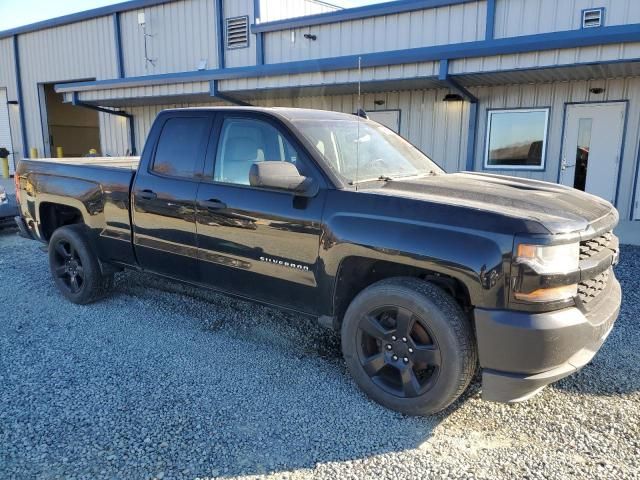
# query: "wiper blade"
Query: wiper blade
381,178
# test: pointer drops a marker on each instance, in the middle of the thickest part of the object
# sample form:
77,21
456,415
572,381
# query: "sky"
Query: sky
14,13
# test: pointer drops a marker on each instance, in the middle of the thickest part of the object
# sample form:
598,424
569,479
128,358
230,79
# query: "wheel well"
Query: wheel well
54,216
357,273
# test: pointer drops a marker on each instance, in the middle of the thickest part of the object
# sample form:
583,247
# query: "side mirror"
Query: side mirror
281,176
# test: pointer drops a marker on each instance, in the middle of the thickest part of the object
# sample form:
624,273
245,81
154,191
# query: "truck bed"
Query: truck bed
95,187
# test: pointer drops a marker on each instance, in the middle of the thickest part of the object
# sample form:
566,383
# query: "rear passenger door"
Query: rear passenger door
257,242
164,196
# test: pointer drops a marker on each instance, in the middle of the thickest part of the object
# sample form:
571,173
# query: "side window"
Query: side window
244,142
181,146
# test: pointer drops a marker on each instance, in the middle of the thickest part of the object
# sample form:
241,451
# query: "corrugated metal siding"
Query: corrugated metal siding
182,34
114,135
526,17
271,10
166,90
392,72
239,57
435,26
7,68
78,51
8,81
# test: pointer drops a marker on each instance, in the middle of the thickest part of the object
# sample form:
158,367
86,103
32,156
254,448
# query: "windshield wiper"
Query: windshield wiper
381,178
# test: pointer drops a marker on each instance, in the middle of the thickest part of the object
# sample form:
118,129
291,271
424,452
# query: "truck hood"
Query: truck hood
559,209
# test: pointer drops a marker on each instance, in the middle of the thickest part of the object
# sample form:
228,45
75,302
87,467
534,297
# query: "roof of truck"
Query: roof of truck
286,112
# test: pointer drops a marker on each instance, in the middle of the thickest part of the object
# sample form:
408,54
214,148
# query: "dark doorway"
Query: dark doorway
75,129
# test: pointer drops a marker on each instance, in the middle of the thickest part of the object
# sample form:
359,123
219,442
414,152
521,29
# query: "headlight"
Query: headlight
550,259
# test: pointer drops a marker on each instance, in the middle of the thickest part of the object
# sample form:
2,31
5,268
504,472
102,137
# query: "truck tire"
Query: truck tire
75,267
409,345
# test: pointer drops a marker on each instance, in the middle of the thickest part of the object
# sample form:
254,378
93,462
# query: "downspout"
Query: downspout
21,106
220,17
117,33
119,113
259,35
473,111
216,93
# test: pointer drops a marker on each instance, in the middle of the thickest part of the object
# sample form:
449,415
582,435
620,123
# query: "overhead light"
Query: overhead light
13,102
597,90
379,102
310,36
452,97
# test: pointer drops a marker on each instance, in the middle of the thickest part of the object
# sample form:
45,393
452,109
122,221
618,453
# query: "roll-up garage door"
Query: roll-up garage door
5,128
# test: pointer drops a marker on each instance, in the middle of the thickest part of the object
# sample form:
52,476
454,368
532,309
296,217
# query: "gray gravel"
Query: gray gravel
164,381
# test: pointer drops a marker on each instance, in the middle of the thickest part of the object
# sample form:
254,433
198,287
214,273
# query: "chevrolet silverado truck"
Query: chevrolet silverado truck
428,276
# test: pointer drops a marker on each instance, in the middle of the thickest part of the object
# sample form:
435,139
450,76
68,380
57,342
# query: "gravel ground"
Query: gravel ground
165,381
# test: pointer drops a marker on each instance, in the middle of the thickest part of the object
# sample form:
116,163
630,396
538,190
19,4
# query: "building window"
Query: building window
237,32
516,139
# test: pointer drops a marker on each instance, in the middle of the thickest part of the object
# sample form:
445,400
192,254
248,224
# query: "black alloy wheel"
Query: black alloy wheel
75,267
409,345
398,352
67,266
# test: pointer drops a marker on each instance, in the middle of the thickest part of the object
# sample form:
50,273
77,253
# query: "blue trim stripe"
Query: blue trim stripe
355,13
527,43
117,33
491,20
80,16
21,106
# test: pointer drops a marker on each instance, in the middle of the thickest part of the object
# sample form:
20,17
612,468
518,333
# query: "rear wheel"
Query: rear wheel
409,345
75,267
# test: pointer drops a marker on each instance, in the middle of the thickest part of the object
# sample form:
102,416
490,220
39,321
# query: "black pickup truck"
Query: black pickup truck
428,276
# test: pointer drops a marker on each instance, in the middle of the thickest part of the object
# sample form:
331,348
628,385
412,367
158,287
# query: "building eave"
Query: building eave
482,48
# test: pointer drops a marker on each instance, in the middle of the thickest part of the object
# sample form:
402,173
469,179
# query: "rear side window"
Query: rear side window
181,147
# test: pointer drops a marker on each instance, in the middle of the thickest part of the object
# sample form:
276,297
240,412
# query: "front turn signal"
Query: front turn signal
554,294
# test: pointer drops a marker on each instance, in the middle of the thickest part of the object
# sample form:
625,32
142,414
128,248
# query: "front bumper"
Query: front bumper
520,353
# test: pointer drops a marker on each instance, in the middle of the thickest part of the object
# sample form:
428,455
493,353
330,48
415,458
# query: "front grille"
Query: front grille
593,246
589,290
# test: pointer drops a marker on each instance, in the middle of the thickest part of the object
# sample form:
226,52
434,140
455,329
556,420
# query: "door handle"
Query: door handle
213,204
148,195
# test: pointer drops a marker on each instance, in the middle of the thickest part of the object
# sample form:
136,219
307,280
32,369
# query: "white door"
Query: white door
388,118
591,147
5,128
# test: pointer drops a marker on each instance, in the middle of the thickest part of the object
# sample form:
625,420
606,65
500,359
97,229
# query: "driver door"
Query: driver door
257,242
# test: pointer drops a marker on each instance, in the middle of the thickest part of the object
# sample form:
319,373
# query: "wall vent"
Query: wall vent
238,32
593,18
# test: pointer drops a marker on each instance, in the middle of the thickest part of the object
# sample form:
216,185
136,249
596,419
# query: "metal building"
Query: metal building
546,89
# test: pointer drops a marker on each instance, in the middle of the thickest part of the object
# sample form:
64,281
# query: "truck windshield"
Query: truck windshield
365,152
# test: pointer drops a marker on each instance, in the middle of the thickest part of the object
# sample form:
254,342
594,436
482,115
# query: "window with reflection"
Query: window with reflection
516,139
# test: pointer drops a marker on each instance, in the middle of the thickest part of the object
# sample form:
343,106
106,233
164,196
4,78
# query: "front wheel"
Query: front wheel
409,345
75,267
